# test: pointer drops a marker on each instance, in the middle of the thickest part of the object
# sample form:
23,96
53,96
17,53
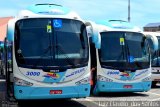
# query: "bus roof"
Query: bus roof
48,10
41,11
116,25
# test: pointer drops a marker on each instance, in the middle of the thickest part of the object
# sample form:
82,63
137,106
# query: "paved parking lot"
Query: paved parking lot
150,98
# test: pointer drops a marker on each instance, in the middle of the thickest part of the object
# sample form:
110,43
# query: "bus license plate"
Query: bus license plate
127,86
55,91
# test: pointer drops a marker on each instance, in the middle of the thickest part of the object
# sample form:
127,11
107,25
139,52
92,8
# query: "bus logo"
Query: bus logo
52,75
113,73
125,74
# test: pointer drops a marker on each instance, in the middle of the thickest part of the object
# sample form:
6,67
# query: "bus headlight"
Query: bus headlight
102,78
83,81
21,82
147,79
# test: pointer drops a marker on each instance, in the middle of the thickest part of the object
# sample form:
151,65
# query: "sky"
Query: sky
142,11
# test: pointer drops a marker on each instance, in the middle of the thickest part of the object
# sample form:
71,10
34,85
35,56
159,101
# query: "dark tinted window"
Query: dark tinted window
45,42
124,49
156,55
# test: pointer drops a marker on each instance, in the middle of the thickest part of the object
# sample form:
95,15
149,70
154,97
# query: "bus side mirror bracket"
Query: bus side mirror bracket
10,29
153,43
95,35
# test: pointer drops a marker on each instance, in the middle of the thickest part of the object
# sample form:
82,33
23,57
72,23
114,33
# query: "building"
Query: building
152,27
3,27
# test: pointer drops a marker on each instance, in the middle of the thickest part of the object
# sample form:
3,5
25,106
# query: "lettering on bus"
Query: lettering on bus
32,73
113,73
141,73
76,72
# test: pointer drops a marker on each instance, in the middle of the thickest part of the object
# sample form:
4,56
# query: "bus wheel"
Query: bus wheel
154,84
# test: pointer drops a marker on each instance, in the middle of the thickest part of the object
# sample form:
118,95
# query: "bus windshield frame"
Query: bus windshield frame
156,55
124,50
51,43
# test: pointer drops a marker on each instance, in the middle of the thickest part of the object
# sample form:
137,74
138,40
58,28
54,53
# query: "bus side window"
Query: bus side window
151,46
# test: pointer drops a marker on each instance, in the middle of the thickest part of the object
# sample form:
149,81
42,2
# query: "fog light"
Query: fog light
20,91
86,89
21,82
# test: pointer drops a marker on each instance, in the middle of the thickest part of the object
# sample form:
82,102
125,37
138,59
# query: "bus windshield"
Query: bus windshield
49,42
156,56
123,50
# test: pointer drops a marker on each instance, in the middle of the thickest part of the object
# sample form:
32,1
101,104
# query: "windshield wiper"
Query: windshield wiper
125,53
67,59
128,53
45,52
58,47
130,59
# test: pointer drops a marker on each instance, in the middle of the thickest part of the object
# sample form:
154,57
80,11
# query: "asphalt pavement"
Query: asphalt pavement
137,99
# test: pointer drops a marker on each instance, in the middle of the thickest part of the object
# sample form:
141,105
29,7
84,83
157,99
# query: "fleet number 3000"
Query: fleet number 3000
32,73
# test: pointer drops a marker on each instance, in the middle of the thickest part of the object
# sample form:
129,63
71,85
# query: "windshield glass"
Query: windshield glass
51,43
123,50
156,56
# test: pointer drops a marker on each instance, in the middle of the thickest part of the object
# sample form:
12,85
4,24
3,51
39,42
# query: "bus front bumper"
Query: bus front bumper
24,92
122,87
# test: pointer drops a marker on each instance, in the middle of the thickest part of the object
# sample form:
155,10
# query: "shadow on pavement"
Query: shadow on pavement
4,102
2,91
122,94
35,103
50,103
156,86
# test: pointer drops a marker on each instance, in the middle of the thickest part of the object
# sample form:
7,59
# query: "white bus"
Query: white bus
155,57
123,58
49,52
